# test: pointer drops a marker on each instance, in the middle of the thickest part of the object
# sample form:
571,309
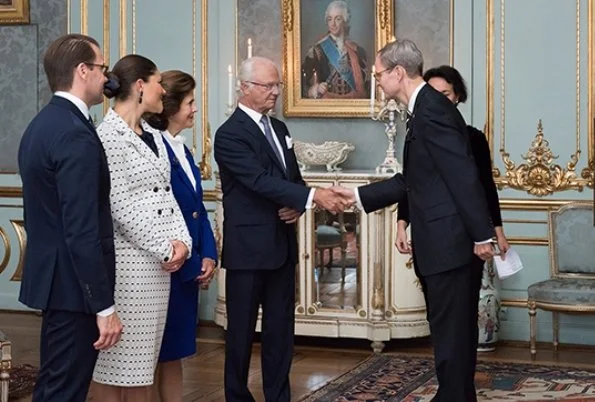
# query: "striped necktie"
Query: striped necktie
269,136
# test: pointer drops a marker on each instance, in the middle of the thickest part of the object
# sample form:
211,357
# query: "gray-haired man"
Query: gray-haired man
450,226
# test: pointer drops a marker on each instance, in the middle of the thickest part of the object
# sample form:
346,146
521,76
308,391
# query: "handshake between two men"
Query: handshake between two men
334,199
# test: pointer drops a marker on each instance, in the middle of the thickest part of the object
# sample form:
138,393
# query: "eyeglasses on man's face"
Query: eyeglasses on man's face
378,74
103,67
268,87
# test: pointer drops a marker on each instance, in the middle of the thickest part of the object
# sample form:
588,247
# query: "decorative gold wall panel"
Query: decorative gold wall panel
539,176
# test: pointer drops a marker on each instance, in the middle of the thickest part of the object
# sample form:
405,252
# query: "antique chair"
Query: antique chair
5,363
571,288
327,237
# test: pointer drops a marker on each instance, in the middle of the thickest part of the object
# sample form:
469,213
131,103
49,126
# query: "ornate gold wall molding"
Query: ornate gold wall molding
123,50
565,179
11,192
6,243
206,169
19,228
84,17
528,241
539,175
518,204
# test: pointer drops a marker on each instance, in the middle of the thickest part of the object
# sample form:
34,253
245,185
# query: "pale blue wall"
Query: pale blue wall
540,80
540,83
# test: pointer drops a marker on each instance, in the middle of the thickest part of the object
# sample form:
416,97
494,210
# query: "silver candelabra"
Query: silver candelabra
387,115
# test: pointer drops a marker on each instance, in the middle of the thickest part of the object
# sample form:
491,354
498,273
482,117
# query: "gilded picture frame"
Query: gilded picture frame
310,56
14,12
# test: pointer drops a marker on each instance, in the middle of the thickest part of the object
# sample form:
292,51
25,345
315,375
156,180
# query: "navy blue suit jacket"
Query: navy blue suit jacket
190,201
255,186
69,260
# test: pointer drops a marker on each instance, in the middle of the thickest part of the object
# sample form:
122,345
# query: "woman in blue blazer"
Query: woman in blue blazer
180,329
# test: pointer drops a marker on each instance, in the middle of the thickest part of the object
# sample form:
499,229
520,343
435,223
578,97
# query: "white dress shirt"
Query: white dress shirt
256,116
177,145
82,106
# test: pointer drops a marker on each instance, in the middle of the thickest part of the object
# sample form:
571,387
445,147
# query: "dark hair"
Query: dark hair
452,76
126,72
62,57
177,85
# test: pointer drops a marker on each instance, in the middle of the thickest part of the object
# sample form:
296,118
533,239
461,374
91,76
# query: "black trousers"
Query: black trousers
246,290
452,298
67,356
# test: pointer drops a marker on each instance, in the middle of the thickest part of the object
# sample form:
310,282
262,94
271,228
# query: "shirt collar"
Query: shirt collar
414,97
254,115
82,106
178,139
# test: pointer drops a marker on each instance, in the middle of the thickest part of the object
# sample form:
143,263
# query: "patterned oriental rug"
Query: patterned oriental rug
389,378
21,381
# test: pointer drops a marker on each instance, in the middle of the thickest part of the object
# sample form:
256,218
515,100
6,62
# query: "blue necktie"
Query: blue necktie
269,136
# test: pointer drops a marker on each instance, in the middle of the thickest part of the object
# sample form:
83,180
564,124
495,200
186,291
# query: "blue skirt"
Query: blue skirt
179,336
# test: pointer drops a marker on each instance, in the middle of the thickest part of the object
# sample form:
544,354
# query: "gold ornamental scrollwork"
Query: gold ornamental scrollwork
19,228
385,15
206,170
287,16
6,258
539,175
588,174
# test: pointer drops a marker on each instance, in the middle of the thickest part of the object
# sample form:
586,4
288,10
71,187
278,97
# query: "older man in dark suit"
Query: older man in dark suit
263,196
450,225
69,262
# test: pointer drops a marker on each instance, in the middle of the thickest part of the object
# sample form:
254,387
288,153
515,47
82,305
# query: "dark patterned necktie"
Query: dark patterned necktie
269,136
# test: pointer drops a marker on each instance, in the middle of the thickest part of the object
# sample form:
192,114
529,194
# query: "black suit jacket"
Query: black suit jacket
447,205
69,260
255,186
481,154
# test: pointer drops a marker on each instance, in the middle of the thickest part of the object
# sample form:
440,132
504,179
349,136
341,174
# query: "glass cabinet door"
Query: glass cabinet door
336,260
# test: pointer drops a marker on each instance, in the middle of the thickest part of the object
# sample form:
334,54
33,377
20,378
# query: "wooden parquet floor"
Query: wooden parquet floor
316,362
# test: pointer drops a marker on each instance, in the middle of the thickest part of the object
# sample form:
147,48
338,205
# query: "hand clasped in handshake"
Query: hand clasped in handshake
334,199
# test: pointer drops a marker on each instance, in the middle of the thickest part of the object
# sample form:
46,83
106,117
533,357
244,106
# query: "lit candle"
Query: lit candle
230,84
249,47
372,91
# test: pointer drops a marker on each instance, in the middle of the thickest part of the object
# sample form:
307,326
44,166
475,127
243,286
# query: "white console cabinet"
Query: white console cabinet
351,282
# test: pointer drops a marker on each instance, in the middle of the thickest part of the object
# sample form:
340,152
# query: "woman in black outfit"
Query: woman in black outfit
448,80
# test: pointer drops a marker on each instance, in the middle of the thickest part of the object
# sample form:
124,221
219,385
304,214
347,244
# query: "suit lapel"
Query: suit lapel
287,154
177,167
160,162
65,103
410,137
196,173
252,127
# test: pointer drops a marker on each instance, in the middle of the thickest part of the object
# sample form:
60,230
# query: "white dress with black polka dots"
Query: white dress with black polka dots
146,219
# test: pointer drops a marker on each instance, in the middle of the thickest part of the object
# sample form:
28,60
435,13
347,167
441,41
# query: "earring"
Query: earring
140,99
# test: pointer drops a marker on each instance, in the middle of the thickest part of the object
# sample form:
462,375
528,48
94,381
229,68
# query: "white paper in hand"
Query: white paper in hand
510,265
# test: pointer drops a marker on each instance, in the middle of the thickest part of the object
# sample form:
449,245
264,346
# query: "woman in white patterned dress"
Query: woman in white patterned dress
150,235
